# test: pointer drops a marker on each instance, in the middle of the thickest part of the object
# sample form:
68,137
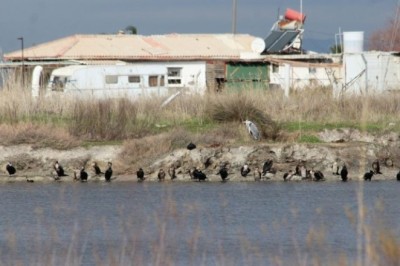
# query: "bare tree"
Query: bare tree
387,38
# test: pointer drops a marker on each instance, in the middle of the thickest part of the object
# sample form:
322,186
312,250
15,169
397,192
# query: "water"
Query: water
188,223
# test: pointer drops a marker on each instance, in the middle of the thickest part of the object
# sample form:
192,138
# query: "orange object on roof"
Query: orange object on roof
294,15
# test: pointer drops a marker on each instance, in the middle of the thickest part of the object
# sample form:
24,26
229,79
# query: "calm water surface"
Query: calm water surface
208,223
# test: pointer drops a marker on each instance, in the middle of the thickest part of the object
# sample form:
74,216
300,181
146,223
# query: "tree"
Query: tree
131,30
388,38
336,49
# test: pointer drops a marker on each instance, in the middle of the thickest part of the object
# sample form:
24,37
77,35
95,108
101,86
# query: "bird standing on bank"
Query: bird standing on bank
223,172
172,172
83,175
252,129
245,170
10,168
108,173
140,174
344,173
59,170
368,175
97,170
161,175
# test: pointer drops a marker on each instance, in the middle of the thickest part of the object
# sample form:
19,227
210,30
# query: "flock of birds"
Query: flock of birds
300,172
60,172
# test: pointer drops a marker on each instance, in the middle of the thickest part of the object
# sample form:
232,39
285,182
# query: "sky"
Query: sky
40,21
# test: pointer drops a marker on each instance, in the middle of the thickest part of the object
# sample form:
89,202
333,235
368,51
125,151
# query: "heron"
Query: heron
253,130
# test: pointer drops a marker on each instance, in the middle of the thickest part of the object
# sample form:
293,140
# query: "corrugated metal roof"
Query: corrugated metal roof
139,47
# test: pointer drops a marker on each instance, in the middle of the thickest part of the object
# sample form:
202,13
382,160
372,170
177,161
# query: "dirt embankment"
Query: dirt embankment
355,149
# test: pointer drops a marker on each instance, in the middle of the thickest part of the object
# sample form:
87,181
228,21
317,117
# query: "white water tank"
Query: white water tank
353,42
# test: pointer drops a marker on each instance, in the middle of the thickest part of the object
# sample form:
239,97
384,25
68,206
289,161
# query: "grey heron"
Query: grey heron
253,130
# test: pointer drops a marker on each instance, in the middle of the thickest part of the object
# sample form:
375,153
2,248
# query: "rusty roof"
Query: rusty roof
139,47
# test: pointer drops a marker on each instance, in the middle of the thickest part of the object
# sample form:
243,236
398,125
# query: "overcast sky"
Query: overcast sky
39,21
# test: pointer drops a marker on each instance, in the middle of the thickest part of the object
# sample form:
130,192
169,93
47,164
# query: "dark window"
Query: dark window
134,79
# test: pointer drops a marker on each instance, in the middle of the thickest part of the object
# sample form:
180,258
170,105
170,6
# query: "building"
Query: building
197,62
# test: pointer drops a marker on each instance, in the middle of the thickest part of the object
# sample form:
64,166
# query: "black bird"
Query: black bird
108,173
245,170
318,175
10,169
83,175
140,174
376,167
223,172
199,175
29,180
97,170
59,170
191,146
398,176
344,173
172,173
161,175
267,166
368,175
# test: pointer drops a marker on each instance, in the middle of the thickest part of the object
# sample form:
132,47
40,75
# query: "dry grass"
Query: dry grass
39,136
121,119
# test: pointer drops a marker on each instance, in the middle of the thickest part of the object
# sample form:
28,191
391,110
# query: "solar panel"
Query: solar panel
277,40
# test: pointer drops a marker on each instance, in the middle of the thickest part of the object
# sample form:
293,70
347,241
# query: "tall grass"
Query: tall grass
123,119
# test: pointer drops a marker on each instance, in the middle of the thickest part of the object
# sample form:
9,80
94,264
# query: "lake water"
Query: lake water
189,223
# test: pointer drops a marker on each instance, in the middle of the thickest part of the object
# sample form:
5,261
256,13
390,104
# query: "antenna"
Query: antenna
234,9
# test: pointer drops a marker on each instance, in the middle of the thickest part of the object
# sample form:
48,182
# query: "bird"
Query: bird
398,176
253,130
335,168
223,172
10,168
97,169
29,180
191,146
198,174
83,175
257,174
288,175
140,174
376,167
161,175
108,173
172,173
59,170
245,170
368,175
318,175
267,166
344,173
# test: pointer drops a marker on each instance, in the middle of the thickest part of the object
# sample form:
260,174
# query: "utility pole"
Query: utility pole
22,60
234,11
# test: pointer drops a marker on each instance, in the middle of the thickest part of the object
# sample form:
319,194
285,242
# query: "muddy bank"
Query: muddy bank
36,164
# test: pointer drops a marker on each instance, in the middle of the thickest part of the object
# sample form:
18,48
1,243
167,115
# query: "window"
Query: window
134,79
174,75
275,68
312,70
153,81
162,82
111,79
59,83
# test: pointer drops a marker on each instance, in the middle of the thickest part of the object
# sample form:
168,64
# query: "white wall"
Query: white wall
298,77
371,72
